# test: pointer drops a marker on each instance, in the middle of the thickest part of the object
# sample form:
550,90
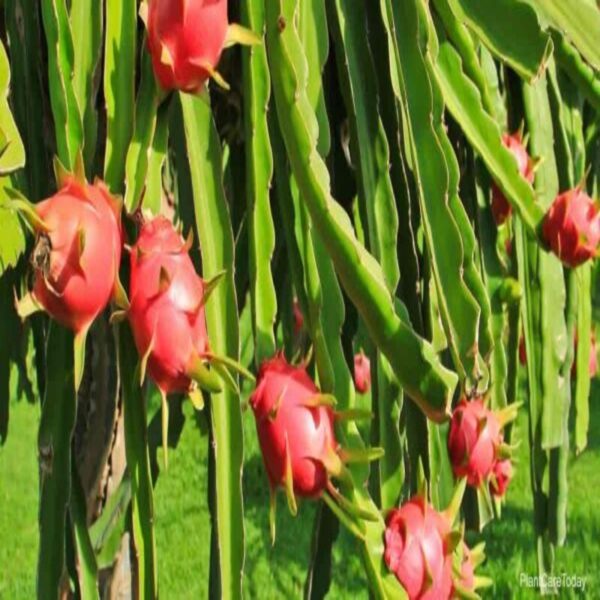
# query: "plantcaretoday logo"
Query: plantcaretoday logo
553,583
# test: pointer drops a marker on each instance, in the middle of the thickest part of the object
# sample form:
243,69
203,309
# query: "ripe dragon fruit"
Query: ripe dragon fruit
77,253
475,440
417,550
186,39
501,209
572,227
362,373
428,556
295,427
502,473
167,314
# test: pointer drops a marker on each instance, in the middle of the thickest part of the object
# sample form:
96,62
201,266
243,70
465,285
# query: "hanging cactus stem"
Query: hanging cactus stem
350,524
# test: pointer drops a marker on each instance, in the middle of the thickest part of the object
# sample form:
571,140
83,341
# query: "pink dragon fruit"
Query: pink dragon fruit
362,373
417,550
77,253
295,428
475,439
186,39
501,209
572,227
167,314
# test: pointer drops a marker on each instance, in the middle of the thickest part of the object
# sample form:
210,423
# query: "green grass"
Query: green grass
183,533
509,541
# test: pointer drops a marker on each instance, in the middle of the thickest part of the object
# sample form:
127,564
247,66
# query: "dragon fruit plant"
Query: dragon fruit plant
356,176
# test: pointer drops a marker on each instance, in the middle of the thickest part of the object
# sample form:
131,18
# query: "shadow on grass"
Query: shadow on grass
289,558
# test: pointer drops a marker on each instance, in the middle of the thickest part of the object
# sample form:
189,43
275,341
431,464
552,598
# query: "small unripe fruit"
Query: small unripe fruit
502,473
501,208
362,373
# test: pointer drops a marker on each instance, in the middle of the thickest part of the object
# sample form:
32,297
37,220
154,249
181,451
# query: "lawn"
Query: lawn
182,530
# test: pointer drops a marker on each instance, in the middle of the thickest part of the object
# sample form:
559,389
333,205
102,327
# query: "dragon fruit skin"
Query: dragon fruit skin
362,373
501,208
296,435
416,550
167,312
76,260
571,227
473,440
186,39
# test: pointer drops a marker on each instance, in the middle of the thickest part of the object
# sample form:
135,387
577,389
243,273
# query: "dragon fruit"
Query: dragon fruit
167,314
77,253
362,373
186,39
475,440
572,227
417,549
501,209
502,473
295,426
